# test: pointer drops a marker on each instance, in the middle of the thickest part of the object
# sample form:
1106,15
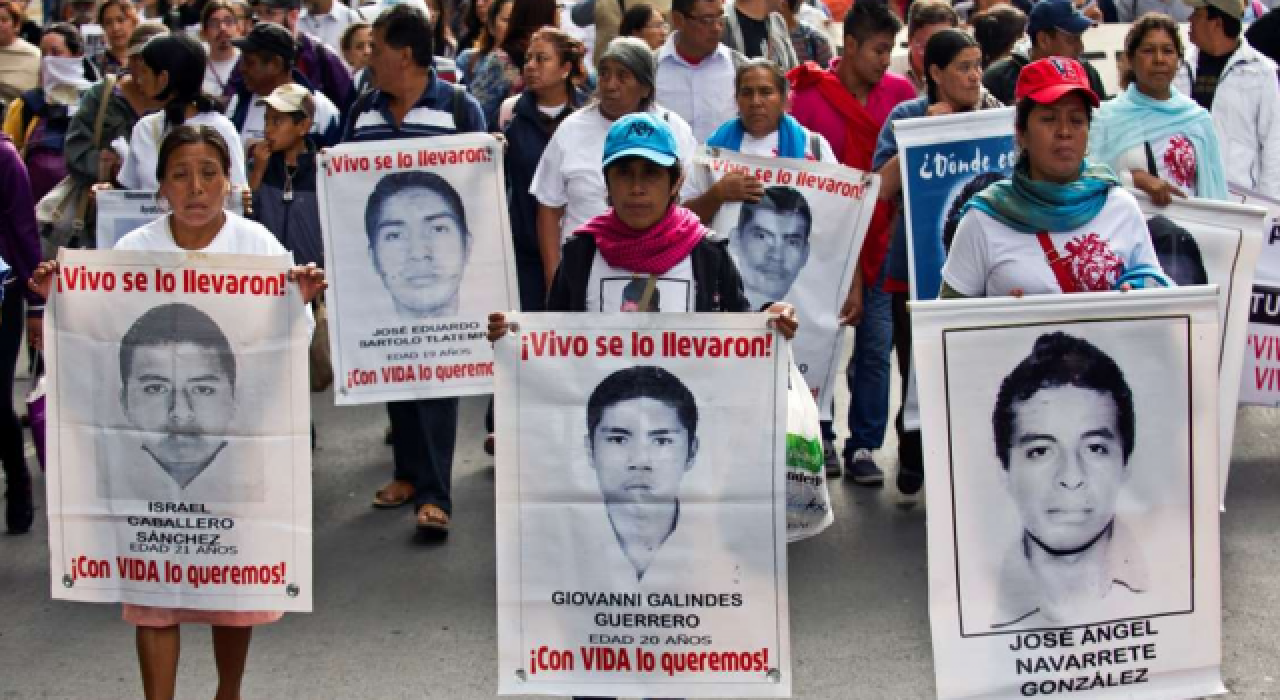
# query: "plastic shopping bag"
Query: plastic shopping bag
808,502
35,413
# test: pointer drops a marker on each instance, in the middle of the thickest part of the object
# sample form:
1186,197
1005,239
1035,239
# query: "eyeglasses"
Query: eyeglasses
228,22
707,20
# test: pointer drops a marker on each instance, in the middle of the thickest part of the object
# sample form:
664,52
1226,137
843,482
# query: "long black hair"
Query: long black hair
942,49
181,57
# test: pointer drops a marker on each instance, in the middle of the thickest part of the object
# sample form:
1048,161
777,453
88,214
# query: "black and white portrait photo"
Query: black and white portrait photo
1063,427
418,251
642,426
771,243
1071,472
419,242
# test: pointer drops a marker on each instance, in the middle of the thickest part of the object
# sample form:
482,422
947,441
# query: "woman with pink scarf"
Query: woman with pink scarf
646,253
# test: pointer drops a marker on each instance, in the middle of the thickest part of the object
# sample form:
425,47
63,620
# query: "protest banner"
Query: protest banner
800,244
641,507
178,432
1201,241
122,211
418,251
945,160
1260,375
1071,457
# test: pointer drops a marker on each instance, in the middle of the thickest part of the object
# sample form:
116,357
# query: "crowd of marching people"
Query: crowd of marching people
601,108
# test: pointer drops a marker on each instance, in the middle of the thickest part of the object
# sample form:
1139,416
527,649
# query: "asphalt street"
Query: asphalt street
397,618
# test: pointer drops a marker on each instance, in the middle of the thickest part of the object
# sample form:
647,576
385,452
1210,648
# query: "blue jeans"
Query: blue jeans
868,371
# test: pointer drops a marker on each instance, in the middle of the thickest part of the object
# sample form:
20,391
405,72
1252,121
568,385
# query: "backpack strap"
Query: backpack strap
1151,159
1057,263
459,107
815,145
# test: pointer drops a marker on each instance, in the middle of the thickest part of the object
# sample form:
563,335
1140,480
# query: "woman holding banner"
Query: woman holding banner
1060,224
193,166
1156,138
953,74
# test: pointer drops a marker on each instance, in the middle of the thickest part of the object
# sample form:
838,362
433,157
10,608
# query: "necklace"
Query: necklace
289,172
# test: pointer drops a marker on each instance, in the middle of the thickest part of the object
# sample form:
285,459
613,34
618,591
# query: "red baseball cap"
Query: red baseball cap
1047,80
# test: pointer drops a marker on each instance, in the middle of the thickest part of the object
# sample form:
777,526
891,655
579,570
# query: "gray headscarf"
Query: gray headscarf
636,56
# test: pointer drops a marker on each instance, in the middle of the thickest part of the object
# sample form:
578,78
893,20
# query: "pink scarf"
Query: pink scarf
650,252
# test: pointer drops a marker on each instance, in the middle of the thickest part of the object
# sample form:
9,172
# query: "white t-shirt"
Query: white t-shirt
611,289
569,174
238,235
1176,162
255,120
139,169
989,259
217,73
700,179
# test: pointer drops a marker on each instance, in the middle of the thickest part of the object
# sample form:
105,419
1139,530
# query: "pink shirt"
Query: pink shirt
811,110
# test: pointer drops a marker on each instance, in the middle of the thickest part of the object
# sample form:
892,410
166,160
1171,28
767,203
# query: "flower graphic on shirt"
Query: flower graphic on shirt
1180,161
1094,265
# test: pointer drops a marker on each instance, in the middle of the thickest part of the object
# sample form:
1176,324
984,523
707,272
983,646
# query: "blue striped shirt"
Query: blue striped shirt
432,115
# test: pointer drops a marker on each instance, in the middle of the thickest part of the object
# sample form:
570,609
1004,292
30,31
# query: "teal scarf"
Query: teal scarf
792,138
1132,118
1031,206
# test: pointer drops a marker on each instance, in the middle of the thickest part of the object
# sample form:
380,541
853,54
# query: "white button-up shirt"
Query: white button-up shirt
329,26
702,94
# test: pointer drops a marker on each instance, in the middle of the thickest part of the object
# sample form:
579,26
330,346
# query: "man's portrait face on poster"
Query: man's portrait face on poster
178,379
1064,429
642,425
771,242
419,242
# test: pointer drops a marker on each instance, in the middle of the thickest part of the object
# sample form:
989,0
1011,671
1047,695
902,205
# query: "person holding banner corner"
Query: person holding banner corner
193,165
1061,224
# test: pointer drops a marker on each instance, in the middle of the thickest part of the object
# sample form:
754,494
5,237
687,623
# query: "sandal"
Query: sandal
433,520
393,495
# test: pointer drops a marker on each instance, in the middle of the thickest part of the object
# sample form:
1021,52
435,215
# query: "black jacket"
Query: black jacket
717,284
527,137
1001,77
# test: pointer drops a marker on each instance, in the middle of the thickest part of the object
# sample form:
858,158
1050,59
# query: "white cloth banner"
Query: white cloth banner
1071,456
178,432
1260,376
1200,241
418,252
122,211
641,506
799,244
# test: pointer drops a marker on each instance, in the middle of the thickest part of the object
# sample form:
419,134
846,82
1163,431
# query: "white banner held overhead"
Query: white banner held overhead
418,251
178,432
641,505
1071,457
799,244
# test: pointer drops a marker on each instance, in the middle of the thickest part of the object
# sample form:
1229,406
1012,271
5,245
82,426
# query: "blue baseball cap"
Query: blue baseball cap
640,134
1057,14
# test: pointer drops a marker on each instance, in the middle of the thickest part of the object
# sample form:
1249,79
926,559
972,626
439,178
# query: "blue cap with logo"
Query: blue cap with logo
640,134
1057,14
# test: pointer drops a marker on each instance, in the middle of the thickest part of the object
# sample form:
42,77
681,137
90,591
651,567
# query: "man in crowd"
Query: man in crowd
326,20
322,66
848,105
753,28
924,19
1237,84
409,101
1129,10
1055,28
219,28
266,63
695,71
